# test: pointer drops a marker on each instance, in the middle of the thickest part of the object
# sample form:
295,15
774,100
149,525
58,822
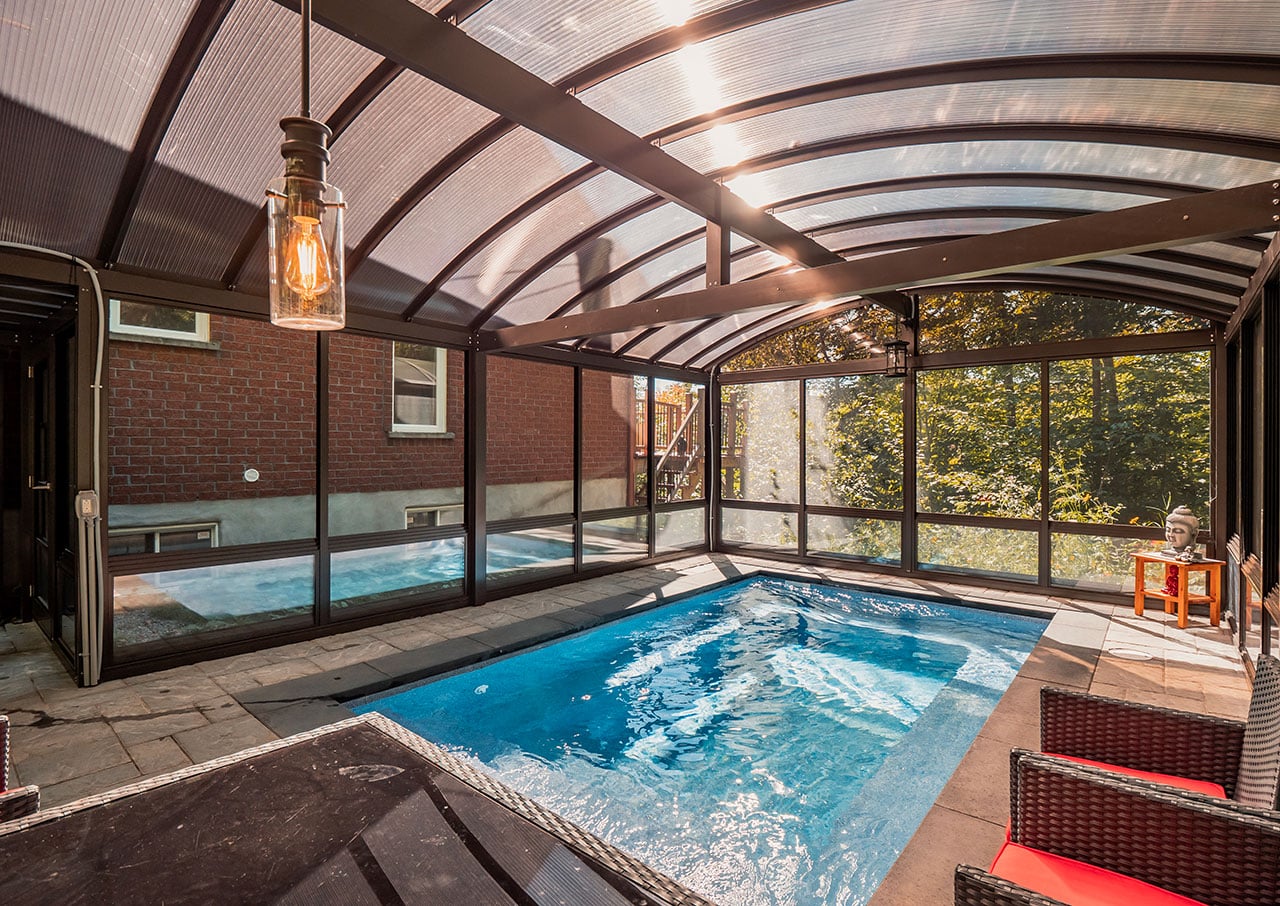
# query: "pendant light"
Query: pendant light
304,220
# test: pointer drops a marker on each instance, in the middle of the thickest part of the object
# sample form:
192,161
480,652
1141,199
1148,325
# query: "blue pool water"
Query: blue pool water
768,742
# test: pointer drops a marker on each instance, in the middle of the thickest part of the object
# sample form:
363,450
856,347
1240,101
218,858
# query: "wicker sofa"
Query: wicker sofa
15,803
1083,835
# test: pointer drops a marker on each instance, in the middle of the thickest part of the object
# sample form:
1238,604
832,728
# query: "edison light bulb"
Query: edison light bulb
307,268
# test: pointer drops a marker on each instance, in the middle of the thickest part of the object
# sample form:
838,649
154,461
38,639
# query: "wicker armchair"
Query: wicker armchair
1092,836
16,803
1175,746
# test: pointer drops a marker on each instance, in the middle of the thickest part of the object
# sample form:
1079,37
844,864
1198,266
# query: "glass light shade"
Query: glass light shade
895,357
304,235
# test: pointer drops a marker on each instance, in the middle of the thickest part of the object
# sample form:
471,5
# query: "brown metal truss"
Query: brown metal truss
412,37
1199,218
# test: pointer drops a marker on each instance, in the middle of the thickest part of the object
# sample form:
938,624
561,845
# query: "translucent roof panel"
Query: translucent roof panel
850,39
1173,166
491,185
598,258
489,273
720,344
555,39
1206,107
374,165
76,80
657,272
91,65
843,210
223,145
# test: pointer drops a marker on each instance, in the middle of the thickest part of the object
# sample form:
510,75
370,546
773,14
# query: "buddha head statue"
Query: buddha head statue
1180,528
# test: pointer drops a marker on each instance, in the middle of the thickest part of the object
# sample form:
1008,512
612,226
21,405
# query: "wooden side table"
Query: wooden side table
1183,599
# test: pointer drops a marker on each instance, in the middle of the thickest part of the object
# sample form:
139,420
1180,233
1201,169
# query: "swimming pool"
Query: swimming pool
766,742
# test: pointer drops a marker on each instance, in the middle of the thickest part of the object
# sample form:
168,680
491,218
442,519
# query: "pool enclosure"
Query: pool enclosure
964,289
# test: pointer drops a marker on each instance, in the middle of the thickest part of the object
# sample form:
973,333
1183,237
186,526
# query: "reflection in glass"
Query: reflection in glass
871,540
529,554
615,540
368,577
854,442
978,441
679,437
761,527
979,551
760,444
681,529
163,606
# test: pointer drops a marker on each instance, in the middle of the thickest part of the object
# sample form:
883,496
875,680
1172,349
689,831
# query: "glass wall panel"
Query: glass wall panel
1129,437
530,443
529,554
681,529
979,550
679,437
978,441
396,434
155,610
615,540
368,577
871,540
1095,562
853,448
759,527
760,443
615,456
218,433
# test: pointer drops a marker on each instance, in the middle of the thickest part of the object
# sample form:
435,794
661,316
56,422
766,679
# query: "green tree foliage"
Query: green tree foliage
846,337
854,442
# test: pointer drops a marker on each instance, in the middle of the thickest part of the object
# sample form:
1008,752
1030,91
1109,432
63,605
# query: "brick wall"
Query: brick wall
362,457
183,423
530,421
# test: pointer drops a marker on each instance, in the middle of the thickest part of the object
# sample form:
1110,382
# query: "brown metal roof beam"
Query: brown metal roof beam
201,28
414,38
1268,267
1163,224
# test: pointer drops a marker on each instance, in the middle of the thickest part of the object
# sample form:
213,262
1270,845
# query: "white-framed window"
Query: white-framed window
431,516
140,319
155,539
419,378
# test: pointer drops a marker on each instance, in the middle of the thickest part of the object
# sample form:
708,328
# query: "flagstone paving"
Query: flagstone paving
77,742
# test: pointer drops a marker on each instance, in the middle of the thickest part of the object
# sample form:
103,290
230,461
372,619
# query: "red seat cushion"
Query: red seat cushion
1078,883
1182,783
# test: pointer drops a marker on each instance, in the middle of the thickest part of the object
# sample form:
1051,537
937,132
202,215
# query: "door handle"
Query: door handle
42,486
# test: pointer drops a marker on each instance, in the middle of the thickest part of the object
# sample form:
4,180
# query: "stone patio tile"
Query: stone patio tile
928,862
235,683
283,670
236,664
352,654
51,755
143,728
1129,674
1060,665
216,740
1145,696
980,784
1016,719
175,693
158,756
15,686
408,639
222,708
88,785
486,618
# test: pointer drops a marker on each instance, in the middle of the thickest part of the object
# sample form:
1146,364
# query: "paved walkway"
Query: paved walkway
74,742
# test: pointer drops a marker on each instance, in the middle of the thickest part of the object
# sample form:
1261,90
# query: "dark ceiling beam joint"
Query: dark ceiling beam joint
1198,218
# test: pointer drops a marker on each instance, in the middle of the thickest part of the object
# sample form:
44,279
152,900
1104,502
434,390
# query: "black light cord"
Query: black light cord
306,58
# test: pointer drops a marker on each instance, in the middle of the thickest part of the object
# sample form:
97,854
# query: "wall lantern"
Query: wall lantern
304,220
895,357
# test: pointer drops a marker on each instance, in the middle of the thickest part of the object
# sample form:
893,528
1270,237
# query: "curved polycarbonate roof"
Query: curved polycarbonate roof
141,136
